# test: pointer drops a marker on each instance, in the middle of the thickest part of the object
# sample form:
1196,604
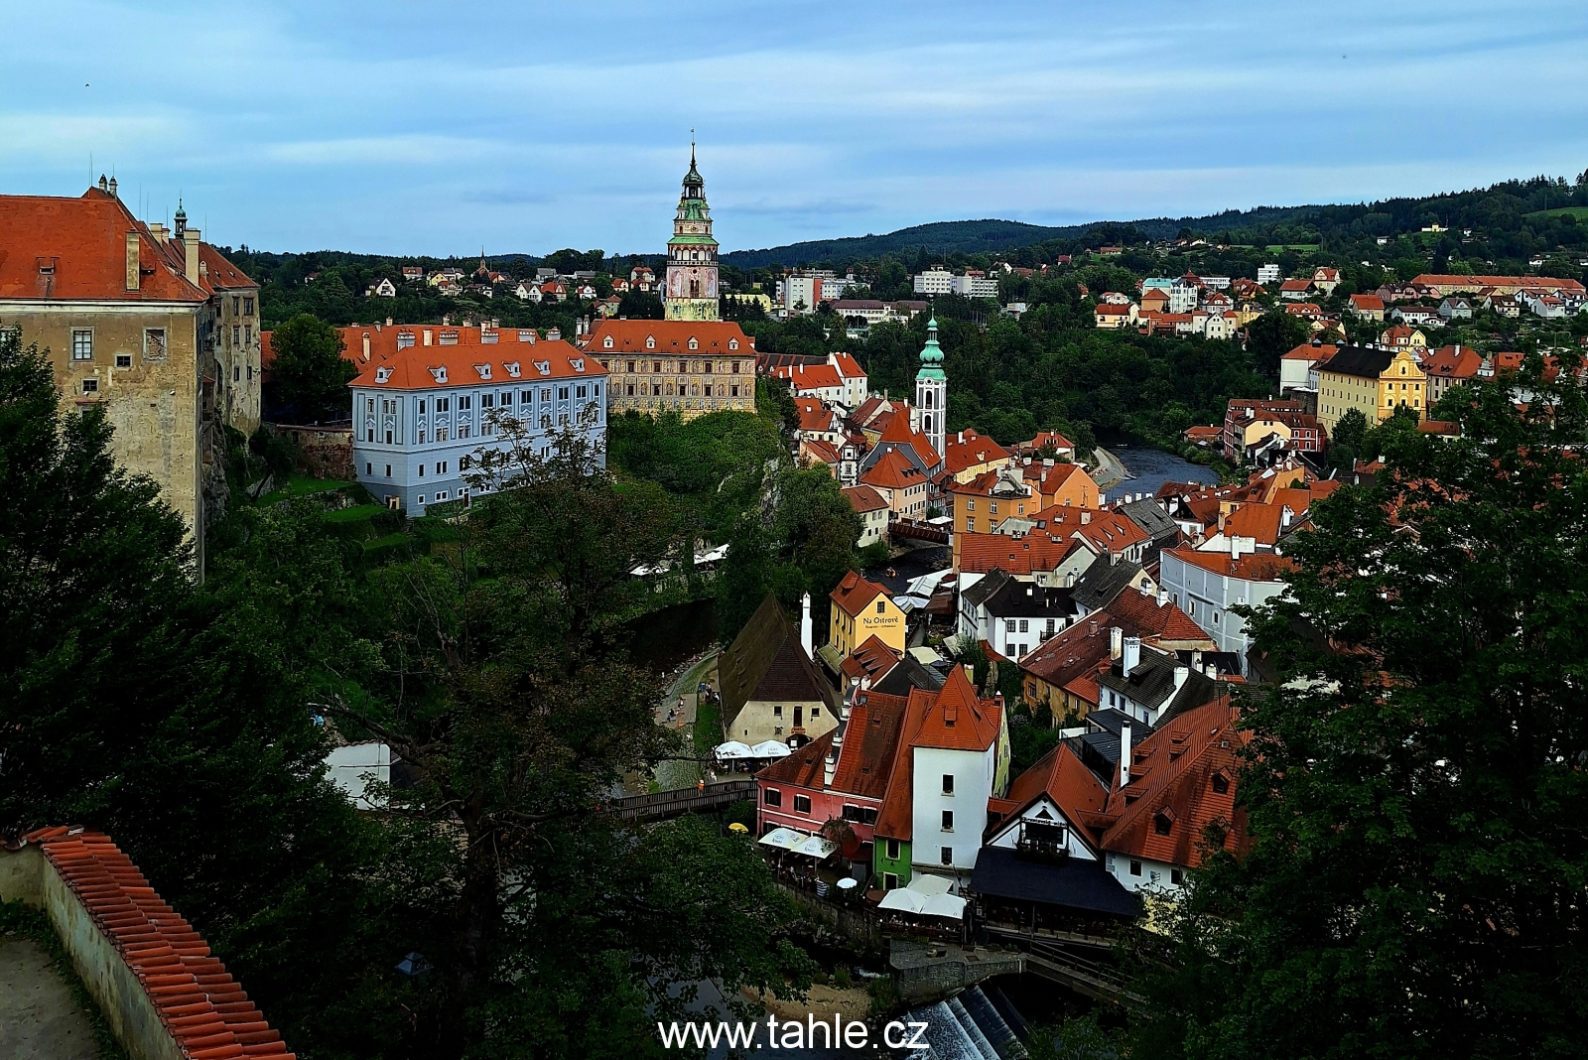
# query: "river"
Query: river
1147,469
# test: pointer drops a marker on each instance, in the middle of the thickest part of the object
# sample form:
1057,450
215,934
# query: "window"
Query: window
441,495
948,820
948,783
388,471
777,730
562,393
463,462
816,712
777,712
947,855
124,360
82,344
1135,868
248,306
882,606
237,334
154,344
890,880
1162,822
90,386
465,402
802,804
1221,784
772,797
421,471
893,850
1176,876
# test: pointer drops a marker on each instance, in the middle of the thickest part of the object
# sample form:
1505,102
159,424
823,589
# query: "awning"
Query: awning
770,749
902,900
782,839
948,906
733,749
926,884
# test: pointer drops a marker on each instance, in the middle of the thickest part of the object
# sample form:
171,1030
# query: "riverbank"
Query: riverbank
1107,470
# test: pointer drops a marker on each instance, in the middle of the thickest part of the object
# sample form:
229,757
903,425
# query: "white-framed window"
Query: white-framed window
82,344
947,855
802,804
90,386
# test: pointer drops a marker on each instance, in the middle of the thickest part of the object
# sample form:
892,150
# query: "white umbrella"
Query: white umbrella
901,900
927,884
847,884
782,838
949,906
815,847
770,749
733,749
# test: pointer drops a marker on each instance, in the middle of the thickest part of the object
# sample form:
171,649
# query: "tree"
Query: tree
1347,439
1414,789
1273,335
309,377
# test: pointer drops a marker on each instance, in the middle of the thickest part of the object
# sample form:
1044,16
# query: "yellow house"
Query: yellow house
1373,381
861,610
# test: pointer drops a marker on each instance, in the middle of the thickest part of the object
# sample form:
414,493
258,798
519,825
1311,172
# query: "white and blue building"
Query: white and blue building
422,417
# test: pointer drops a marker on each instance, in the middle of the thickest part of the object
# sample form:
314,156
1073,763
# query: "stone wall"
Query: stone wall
324,452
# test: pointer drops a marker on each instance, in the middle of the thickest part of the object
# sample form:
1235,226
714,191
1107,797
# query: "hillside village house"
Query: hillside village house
873,510
861,610
152,325
1373,380
1207,584
421,416
771,688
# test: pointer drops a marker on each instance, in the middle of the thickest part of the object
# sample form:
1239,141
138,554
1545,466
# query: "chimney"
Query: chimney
112,188
1124,752
805,626
1116,642
190,252
1163,597
102,185
388,321
427,336
366,345
830,767
1235,548
1181,673
1130,657
133,277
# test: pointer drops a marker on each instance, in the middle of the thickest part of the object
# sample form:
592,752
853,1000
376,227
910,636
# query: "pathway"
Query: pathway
1109,471
673,774
39,1016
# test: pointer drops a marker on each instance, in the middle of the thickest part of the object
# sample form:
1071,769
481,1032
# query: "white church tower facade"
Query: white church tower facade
931,391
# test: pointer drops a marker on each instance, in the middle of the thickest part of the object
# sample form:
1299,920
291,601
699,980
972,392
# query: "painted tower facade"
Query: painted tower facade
931,391
691,290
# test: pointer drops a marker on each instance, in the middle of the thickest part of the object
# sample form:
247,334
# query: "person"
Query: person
700,786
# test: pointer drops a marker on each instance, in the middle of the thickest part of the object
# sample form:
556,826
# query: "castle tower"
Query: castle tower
691,289
931,390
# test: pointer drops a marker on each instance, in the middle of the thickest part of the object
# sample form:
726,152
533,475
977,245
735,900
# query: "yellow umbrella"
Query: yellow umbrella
738,829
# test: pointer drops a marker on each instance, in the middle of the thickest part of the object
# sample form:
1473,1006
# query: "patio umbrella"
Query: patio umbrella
901,900
733,749
738,829
815,847
948,906
927,884
782,838
770,749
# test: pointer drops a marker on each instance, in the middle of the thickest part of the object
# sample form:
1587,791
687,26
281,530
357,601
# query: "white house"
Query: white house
1205,585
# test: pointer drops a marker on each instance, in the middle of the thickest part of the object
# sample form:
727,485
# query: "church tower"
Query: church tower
691,290
931,390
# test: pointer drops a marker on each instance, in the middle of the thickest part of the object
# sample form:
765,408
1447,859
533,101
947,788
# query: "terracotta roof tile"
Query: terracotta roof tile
854,593
203,1008
414,368
715,337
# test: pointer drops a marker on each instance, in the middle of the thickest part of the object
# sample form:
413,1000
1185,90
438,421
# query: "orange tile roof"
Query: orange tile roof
203,1008
1134,610
82,241
1295,285
1367,302
1076,651
1172,782
854,593
965,449
809,376
893,471
1429,279
821,450
1063,777
1108,531
715,337
1036,551
410,369
1202,432
1254,566
1043,439
1260,522
814,416
953,717
1453,362
899,431
863,498
847,366
871,659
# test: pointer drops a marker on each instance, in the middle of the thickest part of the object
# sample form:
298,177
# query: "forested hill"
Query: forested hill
988,236
1503,209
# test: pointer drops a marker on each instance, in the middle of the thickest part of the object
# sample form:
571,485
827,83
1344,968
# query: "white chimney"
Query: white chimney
1116,642
805,626
1124,752
1235,548
1181,673
1130,656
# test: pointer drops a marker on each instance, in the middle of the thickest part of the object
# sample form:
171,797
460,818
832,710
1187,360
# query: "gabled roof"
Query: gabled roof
865,762
1453,362
1036,551
1075,652
810,376
863,498
1253,566
893,470
1028,600
1363,361
715,337
986,586
61,248
1163,814
1063,777
871,659
1310,352
766,662
847,366
952,718
854,593
1261,522
909,673
1149,516
415,368
1101,582
965,449
1139,611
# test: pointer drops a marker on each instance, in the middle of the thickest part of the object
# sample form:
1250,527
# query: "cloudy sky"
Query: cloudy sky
405,127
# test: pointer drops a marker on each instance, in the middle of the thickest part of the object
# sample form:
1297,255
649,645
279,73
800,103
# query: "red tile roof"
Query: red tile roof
965,449
864,499
1165,811
1076,651
814,416
1296,285
953,717
1453,362
809,376
203,1008
1261,522
411,369
81,242
1308,352
1367,303
715,337
899,431
1141,615
980,553
854,593
1448,280
871,659
1044,439
1254,566
893,471
1063,777
847,366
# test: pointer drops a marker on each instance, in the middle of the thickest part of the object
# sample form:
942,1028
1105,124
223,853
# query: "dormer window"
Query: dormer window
606,344
543,367
650,342
733,344
382,374
578,364
439,374
1220,783
693,344
1163,821
484,370
513,369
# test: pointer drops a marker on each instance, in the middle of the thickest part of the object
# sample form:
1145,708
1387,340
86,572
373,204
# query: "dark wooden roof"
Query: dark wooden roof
766,663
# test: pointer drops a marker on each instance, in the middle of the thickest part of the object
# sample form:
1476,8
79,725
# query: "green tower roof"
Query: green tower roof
931,354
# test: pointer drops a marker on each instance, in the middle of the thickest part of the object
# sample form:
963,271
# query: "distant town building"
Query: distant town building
972,284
